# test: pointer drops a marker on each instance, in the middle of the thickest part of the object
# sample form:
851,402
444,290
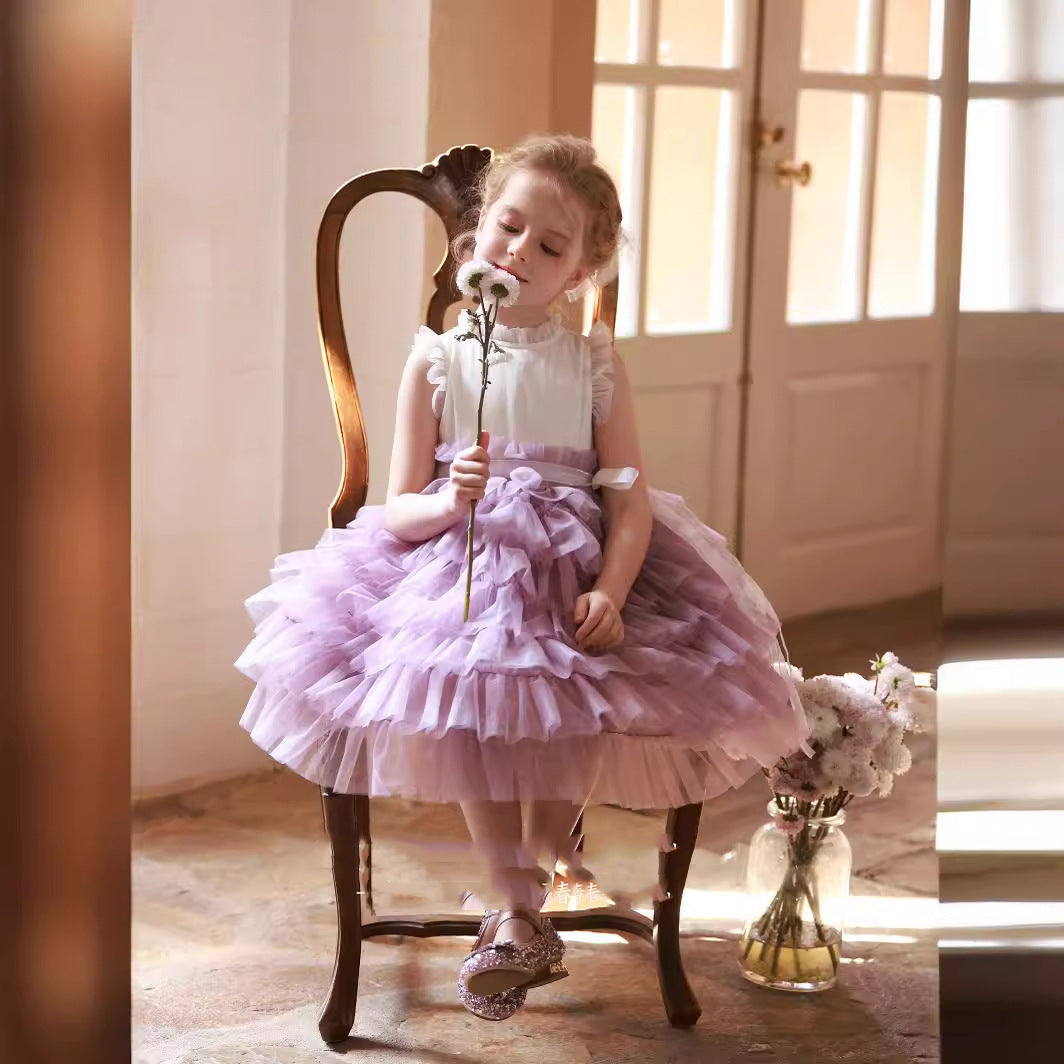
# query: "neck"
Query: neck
523,317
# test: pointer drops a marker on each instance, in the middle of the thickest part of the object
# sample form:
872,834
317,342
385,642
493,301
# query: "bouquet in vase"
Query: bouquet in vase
800,862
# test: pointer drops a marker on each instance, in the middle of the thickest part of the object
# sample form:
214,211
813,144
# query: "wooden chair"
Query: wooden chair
448,186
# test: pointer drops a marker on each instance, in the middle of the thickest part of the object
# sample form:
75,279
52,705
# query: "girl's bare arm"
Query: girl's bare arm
628,516
408,514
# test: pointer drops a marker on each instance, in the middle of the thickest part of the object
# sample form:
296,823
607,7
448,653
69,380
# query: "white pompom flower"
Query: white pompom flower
836,767
824,724
895,680
862,780
859,682
892,756
500,287
483,280
472,275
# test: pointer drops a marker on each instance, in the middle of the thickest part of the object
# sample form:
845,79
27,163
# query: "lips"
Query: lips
510,272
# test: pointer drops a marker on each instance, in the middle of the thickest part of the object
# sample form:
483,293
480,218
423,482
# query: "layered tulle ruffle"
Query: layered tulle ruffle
369,681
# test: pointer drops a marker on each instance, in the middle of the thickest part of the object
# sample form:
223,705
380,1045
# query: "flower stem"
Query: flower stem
484,336
469,557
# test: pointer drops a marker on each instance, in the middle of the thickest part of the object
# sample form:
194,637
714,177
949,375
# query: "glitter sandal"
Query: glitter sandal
493,968
492,1006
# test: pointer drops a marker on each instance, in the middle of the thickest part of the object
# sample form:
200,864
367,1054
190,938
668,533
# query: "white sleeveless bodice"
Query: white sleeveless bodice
547,385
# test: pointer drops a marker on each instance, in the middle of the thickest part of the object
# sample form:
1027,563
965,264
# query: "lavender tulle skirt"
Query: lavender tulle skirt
368,680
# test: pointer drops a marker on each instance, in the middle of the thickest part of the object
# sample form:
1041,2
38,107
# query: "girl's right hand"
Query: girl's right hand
468,477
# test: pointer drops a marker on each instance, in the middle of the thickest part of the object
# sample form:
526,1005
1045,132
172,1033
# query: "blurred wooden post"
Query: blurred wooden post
65,421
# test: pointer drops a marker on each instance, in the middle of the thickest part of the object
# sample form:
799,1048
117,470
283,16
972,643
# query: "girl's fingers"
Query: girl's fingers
603,637
587,631
606,635
469,469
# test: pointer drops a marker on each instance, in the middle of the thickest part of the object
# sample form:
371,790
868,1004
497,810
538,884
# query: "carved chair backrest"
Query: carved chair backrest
449,186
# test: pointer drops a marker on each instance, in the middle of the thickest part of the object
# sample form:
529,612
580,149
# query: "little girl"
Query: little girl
615,650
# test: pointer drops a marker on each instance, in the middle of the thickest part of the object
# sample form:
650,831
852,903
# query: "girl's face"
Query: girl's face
535,231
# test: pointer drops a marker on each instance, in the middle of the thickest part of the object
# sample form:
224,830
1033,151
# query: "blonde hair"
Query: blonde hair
572,163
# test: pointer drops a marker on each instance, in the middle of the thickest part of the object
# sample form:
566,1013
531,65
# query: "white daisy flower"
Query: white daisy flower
867,724
824,724
880,663
891,759
894,681
500,287
862,780
858,682
836,766
471,276
901,718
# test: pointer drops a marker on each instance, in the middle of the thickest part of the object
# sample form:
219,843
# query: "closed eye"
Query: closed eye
550,251
507,228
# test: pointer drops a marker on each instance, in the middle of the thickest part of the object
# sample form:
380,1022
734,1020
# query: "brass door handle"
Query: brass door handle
792,173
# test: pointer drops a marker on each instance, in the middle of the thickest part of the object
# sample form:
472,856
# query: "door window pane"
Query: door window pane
691,203
912,38
836,35
1016,40
902,277
697,33
1011,256
825,247
616,32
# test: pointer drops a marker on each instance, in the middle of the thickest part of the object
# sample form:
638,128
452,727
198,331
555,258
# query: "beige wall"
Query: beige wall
208,293
536,78
359,101
247,117
1005,508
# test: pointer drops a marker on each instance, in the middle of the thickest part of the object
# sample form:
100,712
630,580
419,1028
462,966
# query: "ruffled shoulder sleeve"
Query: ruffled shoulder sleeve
433,349
601,372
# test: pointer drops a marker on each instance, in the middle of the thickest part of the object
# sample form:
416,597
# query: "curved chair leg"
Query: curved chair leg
681,830
342,824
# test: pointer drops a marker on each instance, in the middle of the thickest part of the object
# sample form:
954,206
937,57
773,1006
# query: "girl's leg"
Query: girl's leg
549,836
495,828
548,831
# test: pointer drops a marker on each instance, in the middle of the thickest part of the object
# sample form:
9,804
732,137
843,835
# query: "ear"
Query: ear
576,278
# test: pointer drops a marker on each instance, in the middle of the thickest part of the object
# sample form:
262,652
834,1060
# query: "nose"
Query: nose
519,246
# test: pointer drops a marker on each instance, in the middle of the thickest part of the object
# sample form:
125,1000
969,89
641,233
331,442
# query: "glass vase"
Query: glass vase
798,884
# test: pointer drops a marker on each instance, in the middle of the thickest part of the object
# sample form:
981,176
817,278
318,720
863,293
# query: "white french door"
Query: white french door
856,253
791,176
